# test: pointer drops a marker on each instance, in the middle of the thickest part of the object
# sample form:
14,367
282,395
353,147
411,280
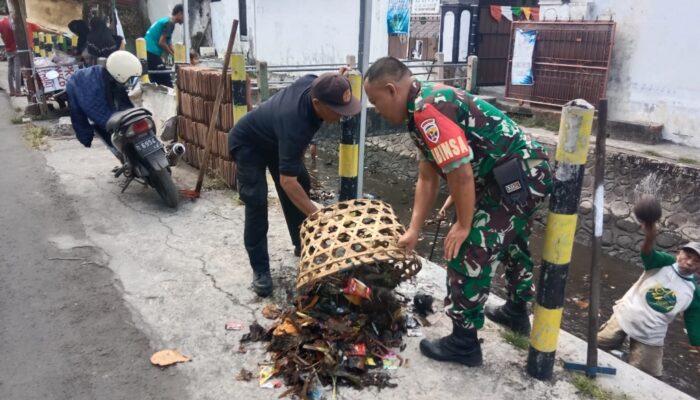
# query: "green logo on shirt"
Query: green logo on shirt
661,299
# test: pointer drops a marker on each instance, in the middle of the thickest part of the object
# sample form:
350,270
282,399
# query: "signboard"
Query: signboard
425,7
54,78
397,17
523,49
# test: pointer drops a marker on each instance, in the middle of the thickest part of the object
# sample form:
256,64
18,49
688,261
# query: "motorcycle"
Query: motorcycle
142,155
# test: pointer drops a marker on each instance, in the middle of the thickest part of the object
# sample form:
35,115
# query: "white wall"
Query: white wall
285,32
654,71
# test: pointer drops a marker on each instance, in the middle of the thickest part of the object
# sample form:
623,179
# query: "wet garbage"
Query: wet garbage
345,324
423,304
346,330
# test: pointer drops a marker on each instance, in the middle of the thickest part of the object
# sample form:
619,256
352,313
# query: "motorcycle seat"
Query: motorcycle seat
126,117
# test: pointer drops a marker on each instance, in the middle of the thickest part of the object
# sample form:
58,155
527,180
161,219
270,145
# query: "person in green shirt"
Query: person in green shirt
159,44
666,289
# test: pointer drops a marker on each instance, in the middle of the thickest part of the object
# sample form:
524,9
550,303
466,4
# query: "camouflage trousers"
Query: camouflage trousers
500,234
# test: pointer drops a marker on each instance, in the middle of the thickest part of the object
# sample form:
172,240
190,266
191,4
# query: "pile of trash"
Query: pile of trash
345,330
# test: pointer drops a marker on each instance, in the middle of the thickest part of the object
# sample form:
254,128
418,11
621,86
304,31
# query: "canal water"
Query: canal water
681,362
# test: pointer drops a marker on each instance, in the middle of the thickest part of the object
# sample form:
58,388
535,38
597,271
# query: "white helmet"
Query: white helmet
123,65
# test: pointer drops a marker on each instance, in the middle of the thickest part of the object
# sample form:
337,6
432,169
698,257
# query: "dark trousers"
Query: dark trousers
155,62
251,164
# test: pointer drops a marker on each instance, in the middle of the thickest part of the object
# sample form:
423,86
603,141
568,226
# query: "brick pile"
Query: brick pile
197,92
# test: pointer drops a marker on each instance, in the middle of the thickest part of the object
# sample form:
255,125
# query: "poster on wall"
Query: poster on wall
425,7
523,49
397,17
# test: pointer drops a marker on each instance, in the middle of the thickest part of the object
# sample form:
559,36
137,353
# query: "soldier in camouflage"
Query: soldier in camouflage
464,139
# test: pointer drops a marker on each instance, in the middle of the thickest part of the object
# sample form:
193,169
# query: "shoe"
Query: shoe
461,346
297,251
262,284
511,315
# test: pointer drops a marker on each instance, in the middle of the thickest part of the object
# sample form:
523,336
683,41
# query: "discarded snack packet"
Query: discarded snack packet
360,349
234,325
266,372
391,361
355,291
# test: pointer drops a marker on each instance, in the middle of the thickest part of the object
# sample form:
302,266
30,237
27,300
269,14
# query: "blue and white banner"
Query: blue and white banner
398,16
523,49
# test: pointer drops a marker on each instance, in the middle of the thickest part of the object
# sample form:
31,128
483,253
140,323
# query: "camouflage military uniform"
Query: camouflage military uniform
500,232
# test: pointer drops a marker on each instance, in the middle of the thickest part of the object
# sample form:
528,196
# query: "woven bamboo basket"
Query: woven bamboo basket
349,235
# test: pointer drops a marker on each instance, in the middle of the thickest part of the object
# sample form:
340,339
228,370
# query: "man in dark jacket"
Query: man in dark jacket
275,136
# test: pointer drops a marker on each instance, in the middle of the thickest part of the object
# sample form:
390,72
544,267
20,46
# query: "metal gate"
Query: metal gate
493,42
570,61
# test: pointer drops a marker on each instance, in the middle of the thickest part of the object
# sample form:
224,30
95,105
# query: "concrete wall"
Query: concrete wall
284,32
652,76
395,155
653,67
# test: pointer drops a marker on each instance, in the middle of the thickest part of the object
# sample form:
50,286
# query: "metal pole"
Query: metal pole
263,81
571,154
186,29
598,210
363,55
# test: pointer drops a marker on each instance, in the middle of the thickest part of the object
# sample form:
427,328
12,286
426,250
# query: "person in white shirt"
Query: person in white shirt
666,288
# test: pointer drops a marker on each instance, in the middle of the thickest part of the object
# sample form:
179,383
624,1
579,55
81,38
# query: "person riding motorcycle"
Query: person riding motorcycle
97,92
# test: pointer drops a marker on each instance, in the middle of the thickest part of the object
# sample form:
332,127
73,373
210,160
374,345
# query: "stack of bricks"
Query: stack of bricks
197,93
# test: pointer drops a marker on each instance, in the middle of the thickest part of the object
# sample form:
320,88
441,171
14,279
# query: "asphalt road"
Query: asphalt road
65,332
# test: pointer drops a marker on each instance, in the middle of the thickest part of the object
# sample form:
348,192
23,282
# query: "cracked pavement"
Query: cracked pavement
181,275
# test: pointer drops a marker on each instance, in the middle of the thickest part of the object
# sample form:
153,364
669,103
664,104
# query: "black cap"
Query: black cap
333,90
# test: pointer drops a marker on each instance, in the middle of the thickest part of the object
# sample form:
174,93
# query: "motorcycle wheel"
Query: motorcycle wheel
162,182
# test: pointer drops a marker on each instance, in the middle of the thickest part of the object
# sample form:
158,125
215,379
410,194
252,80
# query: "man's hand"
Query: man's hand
408,240
454,240
649,237
344,70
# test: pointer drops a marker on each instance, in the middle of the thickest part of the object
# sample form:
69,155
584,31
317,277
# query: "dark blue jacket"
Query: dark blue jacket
94,96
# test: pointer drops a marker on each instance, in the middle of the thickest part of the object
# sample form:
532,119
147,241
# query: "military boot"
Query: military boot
461,346
262,283
512,315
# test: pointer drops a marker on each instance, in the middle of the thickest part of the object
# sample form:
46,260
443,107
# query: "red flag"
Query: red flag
535,13
496,13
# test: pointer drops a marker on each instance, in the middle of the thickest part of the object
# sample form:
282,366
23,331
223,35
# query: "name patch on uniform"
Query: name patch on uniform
445,139
513,187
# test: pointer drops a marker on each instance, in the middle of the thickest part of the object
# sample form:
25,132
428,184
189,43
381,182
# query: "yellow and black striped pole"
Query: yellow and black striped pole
238,97
142,56
36,45
571,154
74,42
349,152
49,45
42,47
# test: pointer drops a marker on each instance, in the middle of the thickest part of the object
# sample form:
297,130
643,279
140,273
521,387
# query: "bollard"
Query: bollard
142,56
180,56
263,83
42,47
470,86
49,45
349,153
74,42
571,154
35,44
238,92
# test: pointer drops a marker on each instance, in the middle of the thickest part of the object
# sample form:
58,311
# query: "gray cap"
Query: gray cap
694,246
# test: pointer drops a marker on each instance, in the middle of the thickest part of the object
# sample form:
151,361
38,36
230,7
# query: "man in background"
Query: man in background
159,44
